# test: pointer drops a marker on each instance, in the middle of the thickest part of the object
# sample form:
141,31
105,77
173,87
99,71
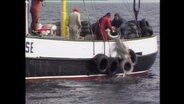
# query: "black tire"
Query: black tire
132,35
147,31
144,23
133,56
101,63
127,66
133,22
113,67
85,32
132,29
84,23
86,27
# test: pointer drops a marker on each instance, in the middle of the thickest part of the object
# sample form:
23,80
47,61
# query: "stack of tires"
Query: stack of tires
112,65
146,28
105,65
132,30
86,28
135,29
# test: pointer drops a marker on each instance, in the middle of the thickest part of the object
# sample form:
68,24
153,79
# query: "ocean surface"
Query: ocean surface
128,90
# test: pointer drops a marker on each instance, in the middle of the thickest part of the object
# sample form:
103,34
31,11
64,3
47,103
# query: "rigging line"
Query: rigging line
136,12
102,36
136,9
131,13
98,22
128,7
93,36
85,8
90,27
94,7
109,48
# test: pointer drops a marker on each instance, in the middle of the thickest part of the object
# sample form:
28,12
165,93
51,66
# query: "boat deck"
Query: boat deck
56,37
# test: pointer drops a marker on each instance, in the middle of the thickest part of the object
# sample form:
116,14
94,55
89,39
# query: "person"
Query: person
119,23
101,25
74,24
35,10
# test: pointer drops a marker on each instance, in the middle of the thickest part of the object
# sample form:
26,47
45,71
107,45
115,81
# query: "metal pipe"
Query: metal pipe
136,11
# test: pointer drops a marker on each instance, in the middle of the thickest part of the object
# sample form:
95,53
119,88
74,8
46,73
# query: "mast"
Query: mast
63,19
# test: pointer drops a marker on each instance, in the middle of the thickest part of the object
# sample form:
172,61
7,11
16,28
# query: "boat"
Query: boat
55,57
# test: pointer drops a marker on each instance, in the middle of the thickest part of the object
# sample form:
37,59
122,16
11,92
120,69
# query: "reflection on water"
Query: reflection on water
127,90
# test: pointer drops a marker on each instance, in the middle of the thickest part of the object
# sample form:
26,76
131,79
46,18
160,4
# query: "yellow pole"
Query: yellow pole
63,19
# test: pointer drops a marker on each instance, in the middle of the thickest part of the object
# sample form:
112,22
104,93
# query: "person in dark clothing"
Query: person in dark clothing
101,25
35,11
119,23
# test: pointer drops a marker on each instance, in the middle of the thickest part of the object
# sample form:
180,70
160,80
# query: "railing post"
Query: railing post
26,17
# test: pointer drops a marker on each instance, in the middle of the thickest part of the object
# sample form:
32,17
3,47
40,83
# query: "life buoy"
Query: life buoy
113,67
133,56
112,34
101,63
127,66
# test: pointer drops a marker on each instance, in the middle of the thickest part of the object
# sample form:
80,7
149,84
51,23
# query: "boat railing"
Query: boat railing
26,17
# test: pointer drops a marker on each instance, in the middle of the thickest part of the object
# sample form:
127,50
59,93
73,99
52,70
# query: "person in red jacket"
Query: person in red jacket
35,11
100,27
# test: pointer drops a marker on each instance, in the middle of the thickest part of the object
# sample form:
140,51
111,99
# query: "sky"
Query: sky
110,1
